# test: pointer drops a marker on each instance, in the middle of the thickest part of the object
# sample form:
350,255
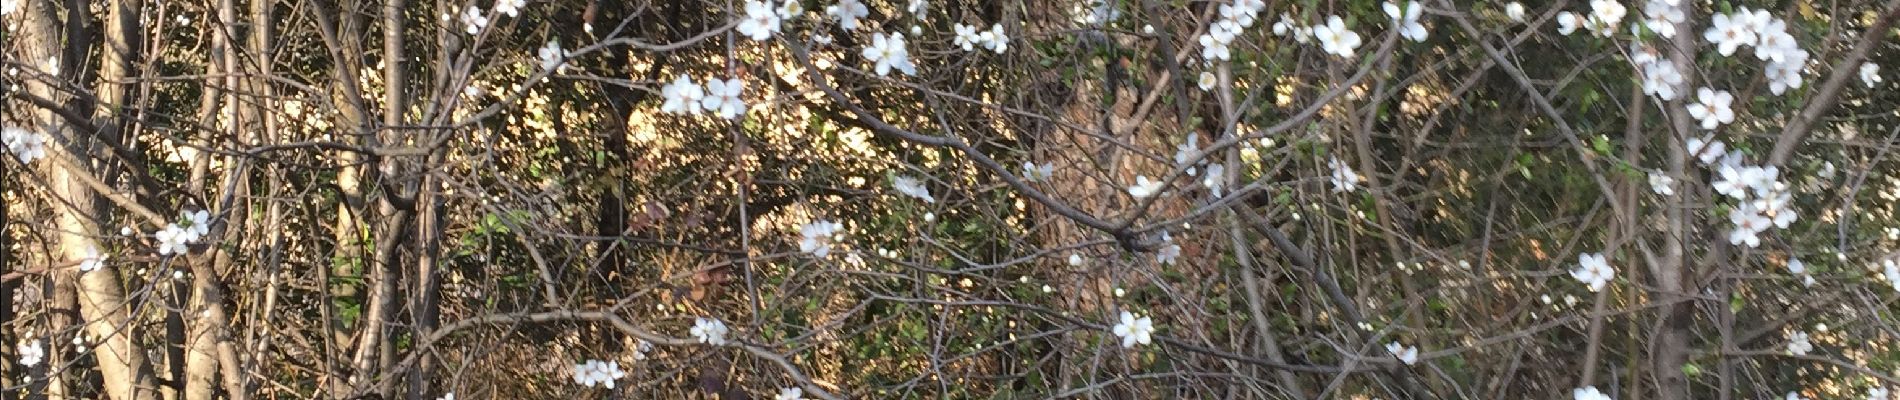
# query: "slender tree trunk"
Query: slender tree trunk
425,306
35,41
100,295
342,36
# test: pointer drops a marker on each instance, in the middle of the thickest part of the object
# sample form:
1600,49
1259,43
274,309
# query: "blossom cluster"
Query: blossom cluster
762,19
1770,38
474,20
969,38
709,331
1343,177
177,239
25,145
816,237
1604,16
1188,156
1220,35
720,97
1798,344
597,372
1763,201
31,353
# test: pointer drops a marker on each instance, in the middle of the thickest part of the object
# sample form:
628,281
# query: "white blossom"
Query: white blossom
1407,355
1733,180
1215,178
1785,74
792,393
1207,80
552,57
91,260
513,9
1775,206
1335,38
1712,107
1798,344
1344,179
1728,33
1169,252
172,240
887,52
1285,25
1100,12
26,146
31,353
1593,270
1707,149
1241,14
1038,173
1773,43
918,7
597,372
790,10
912,187
682,96
473,18
1662,79
722,98
1144,188
1134,330
816,237
966,38
1568,22
1662,17
1662,184
1515,11
1799,269
1188,150
1749,223
709,331
197,224
1604,17
847,12
995,39
641,348
1764,180
1755,21
1877,393
1213,48
1588,393
1405,19
1891,271
1870,74
1642,55
761,20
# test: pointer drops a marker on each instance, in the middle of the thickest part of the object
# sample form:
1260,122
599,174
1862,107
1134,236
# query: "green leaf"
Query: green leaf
1691,370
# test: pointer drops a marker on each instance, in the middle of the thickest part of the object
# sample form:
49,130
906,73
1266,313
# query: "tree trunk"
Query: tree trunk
100,296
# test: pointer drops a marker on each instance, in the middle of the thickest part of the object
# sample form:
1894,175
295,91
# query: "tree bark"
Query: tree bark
100,296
